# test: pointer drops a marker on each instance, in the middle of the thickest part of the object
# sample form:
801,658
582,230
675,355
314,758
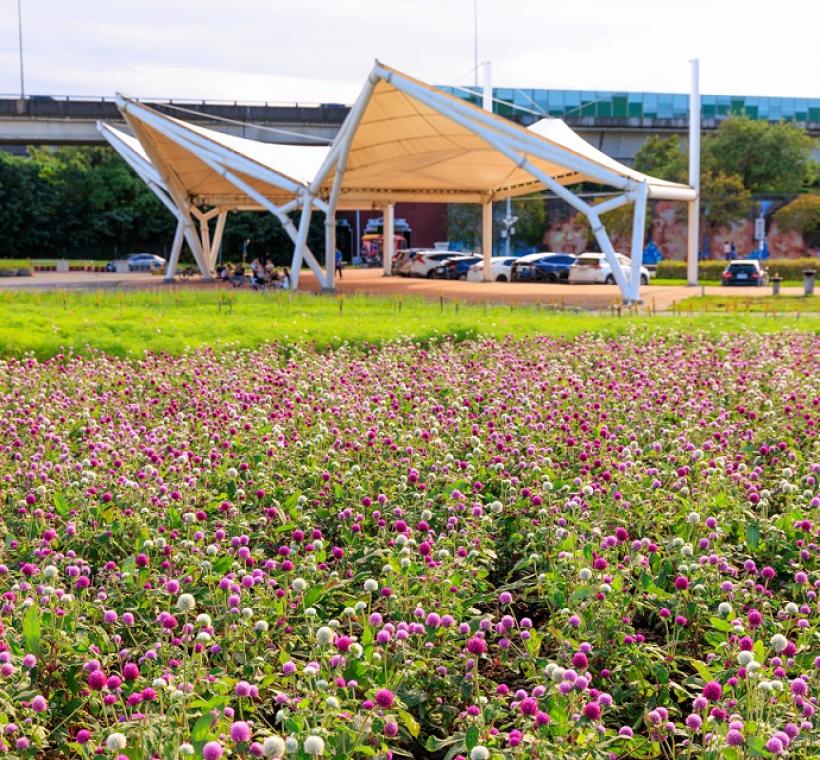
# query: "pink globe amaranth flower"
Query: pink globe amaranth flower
240,731
242,689
775,746
592,711
130,671
476,645
694,722
384,698
528,706
681,583
579,660
212,751
97,680
626,732
391,728
713,691
29,661
39,704
83,735
755,618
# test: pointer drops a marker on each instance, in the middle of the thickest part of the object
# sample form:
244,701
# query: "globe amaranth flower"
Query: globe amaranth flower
273,747
212,751
713,691
479,753
314,746
115,742
384,698
240,731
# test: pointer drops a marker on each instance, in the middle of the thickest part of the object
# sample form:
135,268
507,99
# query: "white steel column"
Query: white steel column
301,241
487,96
388,230
693,227
330,250
176,248
217,240
487,238
638,223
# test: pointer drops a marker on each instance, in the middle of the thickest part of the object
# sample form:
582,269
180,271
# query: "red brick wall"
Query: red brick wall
428,221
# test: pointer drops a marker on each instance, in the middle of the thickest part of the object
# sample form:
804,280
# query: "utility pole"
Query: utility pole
693,231
509,227
20,44
475,41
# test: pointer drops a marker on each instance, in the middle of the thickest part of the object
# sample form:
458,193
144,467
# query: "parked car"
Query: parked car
404,257
745,272
543,267
137,262
594,268
500,267
145,262
424,263
456,268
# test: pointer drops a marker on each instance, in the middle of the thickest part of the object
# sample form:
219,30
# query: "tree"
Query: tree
464,222
802,215
768,158
723,199
663,158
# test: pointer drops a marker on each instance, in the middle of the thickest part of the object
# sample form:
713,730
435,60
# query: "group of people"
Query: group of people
262,275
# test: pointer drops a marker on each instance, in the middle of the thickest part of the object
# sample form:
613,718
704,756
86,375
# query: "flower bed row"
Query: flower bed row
522,549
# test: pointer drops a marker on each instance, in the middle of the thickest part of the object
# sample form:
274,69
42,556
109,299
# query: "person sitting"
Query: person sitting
238,276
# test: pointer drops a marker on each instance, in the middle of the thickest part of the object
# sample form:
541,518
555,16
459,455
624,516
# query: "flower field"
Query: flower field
583,548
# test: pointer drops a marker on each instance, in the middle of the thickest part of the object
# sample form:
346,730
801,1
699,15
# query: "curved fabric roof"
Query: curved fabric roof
183,151
413,142
402,141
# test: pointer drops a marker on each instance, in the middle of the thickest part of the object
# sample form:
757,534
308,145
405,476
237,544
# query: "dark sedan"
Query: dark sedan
746,272
551,267
456,268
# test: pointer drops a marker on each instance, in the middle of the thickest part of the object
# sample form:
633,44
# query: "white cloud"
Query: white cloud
312,50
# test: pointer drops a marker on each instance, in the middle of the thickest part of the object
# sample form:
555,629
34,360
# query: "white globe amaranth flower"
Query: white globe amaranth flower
724,609
744,658
585,574
370,585
779,642
291,745
203,619
693,518
186,603
298,585
115,742
273,747
325,636
479,753
314,746
261,626
186,749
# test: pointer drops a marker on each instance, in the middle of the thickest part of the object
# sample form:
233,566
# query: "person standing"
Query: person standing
727,251
339,263
733,250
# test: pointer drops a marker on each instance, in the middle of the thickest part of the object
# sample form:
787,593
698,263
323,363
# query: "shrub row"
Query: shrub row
788,269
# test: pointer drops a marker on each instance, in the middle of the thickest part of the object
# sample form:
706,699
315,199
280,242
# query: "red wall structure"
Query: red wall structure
428,221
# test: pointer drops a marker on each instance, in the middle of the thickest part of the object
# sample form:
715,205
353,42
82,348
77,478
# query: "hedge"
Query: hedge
788,269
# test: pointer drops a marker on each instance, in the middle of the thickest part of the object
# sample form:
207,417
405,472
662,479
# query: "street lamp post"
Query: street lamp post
20,44
508,229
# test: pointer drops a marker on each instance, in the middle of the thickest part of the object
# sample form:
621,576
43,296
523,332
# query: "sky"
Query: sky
321,50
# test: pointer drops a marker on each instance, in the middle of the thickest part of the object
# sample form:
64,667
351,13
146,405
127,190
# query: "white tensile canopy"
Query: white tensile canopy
403,140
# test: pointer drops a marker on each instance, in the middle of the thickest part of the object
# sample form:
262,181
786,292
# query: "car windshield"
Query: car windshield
742,268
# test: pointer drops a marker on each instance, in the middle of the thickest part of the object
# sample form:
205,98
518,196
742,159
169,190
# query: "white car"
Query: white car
403,258
500,267
425,263
594,268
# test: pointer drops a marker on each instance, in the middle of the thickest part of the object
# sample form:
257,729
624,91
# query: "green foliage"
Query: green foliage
464,223
768,158
128,324
788,269
802,215
663,158
723,198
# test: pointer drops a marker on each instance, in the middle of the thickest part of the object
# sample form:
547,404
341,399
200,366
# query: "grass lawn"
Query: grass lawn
765,304
682,281
129,323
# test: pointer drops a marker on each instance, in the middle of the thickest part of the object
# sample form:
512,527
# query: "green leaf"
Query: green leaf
702,670
410,723
752,536
313,595
757,747
202,728
32,630
61,505
720,624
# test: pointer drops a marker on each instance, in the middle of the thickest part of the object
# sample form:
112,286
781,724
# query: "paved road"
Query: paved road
371,281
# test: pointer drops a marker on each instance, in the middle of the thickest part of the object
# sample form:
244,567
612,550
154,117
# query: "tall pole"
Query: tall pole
487,206
693,232
475,41
508,227
20,45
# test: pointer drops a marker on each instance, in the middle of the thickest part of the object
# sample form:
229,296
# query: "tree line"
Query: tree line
85,202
